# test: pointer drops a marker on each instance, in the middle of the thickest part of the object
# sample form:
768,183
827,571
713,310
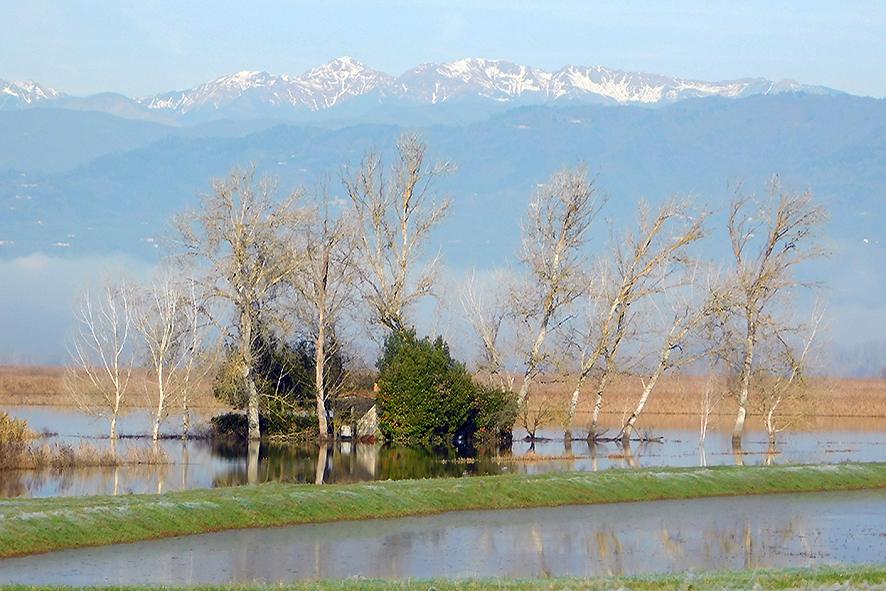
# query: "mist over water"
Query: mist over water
38,297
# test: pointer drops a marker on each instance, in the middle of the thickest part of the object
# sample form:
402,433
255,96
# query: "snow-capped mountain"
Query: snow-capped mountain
320,88
260,94
342,79
498,80
27,92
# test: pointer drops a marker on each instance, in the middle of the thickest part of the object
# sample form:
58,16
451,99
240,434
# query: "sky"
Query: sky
83,47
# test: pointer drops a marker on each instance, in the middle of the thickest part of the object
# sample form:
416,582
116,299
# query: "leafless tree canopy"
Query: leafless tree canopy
173,332
644,264
324,284
237,242
770,237
101,351
396,212
553,259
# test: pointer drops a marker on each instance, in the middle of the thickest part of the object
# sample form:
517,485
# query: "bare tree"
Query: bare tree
643,264
238,242
781,376
324,283
101,352
173,334
683,315
553,256
487,319
396,212
769,238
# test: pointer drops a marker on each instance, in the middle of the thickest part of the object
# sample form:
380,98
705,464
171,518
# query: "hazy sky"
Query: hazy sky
141,48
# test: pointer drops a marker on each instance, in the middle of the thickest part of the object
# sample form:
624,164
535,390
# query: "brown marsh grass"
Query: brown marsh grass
674,394
681,395
22,385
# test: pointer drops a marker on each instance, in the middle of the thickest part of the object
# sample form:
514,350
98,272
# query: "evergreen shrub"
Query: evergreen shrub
426,396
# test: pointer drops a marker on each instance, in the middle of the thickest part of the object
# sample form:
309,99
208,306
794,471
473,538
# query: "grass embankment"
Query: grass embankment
30,526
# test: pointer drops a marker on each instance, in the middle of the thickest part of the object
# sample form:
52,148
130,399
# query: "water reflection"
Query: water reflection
769,531
205,464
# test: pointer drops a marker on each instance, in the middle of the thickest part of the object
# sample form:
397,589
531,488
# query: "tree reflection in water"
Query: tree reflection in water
204,463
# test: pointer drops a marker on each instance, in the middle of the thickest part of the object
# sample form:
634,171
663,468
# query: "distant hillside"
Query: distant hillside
834,144
75,184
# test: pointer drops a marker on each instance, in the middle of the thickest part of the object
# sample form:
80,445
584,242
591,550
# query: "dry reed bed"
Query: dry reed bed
674,395
45,386
682,395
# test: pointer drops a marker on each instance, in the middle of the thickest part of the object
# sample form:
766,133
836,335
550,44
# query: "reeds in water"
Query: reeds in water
17,453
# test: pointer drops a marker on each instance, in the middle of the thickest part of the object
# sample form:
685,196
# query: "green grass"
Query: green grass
848,578
29,526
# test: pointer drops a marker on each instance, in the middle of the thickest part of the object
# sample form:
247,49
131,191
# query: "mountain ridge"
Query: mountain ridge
248,94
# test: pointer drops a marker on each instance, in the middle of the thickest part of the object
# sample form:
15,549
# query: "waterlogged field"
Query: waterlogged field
451,550
203,463
854,430
721,517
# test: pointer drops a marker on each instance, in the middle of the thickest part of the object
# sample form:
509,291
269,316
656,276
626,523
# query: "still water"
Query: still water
200,463
770,531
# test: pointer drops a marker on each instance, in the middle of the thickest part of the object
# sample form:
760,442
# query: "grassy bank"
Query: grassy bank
844,578
29,526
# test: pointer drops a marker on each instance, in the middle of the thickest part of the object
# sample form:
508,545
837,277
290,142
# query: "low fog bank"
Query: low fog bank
39,293
38,297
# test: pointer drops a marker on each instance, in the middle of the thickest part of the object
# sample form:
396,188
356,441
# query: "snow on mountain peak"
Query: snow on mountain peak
344,78
340,79
27,91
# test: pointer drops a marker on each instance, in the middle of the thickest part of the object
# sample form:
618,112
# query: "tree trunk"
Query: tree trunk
598,404
573,404
742,413
531,365
186,414
252,407
253,402
628,428
319,382
161,395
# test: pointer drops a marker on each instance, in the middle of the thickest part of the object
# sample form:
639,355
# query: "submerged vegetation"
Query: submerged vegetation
17,451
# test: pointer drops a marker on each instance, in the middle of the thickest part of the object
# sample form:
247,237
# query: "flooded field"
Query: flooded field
200,463
757,532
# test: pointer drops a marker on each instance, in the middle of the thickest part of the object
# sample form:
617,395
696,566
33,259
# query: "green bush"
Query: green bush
425,396
234,425
495,412
284,376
